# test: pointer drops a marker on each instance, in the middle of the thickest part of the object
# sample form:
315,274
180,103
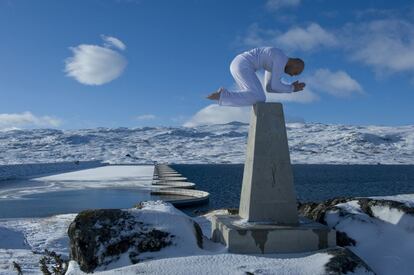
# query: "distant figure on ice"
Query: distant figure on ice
243,68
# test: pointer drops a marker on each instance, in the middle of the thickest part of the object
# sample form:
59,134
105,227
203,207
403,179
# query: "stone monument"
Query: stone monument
268,221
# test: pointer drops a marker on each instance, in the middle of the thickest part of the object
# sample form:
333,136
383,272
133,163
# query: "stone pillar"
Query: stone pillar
268,193
268,221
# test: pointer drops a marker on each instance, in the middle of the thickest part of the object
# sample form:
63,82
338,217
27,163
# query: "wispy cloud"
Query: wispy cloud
256,36
308,38
27,119
96,65
305,96
110,41
215,114
275,5
338,83
146,117
179,118
386,45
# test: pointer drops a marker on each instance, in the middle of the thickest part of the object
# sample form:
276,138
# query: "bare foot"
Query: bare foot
215,95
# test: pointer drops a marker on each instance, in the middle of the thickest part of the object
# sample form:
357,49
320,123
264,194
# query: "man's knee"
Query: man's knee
235,70
257,98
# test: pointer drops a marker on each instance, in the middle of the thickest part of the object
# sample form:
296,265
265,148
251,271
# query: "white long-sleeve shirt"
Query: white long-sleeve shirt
273,61
243,69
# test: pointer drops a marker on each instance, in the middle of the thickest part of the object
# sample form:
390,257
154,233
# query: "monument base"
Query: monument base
258,238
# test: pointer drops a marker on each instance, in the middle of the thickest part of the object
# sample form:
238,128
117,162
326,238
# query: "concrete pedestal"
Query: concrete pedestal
268,221
257,238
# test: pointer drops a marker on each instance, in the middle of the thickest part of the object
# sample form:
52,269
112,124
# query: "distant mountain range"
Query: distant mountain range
225,143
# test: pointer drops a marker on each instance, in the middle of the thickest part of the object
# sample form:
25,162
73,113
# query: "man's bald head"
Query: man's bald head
294,66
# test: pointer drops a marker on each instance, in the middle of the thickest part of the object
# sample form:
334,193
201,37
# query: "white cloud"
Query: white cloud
27,119
305,96
145,117
296,38
337,83
94,65
257,37
110,41
274,5
215,114
309,38
386,45
179,118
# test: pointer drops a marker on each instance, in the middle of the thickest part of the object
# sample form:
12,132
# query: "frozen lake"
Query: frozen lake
115,186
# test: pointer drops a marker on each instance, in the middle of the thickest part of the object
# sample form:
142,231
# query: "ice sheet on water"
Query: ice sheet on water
110,176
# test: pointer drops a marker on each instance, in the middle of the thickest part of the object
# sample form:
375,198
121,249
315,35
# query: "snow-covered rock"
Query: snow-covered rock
107,238
26,240
226,143
380,230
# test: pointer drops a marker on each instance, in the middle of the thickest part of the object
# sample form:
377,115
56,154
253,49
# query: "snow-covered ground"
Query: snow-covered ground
309,143
384,241
224,264
22,236
24,240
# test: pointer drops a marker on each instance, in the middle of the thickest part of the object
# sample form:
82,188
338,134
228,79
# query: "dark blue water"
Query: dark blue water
223,182
312,182
73,201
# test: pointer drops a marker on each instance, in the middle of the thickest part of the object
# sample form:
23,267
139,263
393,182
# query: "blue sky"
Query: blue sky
82,64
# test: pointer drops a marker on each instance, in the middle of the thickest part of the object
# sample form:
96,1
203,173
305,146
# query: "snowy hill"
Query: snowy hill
309,143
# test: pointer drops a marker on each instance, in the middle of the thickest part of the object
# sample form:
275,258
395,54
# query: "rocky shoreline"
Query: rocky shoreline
155,235
118,231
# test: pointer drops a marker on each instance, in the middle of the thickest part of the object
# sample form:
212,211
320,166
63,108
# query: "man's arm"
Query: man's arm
273,83
272,79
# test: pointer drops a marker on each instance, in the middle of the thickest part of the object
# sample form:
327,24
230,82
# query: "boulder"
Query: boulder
343,261
102,239
316,210
99,237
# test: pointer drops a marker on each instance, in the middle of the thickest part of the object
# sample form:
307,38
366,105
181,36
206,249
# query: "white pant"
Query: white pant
250,88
